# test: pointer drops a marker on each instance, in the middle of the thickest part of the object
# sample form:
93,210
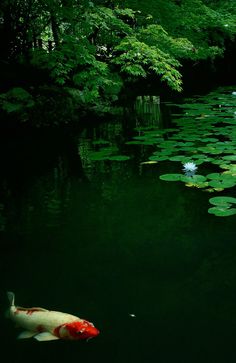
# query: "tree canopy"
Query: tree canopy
94,48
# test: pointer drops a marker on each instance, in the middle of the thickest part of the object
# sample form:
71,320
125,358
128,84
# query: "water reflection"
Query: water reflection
2,218
148,111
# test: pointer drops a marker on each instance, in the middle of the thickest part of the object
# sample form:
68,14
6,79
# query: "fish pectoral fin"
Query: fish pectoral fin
45,336
26,334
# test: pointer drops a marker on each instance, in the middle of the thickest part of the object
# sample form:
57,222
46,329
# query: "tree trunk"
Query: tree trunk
55,30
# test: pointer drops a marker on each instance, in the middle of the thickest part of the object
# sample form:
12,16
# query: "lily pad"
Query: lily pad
171,177
199,185
222,200
119,158
178,158
222,212
193,179
230,167
229,157
98,156
214,176
222,184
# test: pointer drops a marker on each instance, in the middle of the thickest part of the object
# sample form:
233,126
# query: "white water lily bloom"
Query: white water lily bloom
190,167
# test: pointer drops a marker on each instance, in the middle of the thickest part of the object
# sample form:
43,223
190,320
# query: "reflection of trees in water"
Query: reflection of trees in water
84,147
148,111
104,135
2,218
39,187
145,112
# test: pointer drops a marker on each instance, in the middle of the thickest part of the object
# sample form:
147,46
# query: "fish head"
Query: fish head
81,330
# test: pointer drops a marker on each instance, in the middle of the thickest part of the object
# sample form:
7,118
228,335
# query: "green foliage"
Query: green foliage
138,59
17,100
92,49
205,24
95,39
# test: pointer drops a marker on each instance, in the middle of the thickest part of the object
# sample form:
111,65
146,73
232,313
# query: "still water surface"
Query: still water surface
112,243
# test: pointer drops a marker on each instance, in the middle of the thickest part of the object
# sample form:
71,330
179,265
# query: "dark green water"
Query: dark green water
111,240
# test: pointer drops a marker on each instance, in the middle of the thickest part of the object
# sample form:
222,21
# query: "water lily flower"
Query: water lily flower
189,168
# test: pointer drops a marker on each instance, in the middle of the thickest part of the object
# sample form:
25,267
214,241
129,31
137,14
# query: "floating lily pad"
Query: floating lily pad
185,144
229,157
222,177
164,152
119,158
154,133
147,138
198,156
230,167
178,158
158,158
193,179
167,143
218,162
103,154
222,200
199,161
171,177
199,185
151,142
99,155
222,212
211,139
222,184
214,176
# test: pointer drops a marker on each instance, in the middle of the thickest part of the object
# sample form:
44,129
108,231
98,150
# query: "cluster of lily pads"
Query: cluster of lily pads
205,133
222,206
211,182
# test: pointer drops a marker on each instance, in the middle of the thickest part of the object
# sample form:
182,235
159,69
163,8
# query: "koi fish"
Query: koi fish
46,325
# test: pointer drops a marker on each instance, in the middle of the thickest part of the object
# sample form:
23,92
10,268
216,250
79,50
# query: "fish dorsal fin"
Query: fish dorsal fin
38,309
31,309
45,336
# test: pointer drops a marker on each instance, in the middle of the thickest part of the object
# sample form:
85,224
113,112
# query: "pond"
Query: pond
115,232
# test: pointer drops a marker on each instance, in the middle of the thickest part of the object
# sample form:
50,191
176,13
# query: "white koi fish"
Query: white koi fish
46,325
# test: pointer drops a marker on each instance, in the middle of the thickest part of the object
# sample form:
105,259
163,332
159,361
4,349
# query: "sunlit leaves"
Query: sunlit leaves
138,58
199,28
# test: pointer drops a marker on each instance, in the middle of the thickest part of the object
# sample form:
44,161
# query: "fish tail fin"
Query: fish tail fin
11,298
